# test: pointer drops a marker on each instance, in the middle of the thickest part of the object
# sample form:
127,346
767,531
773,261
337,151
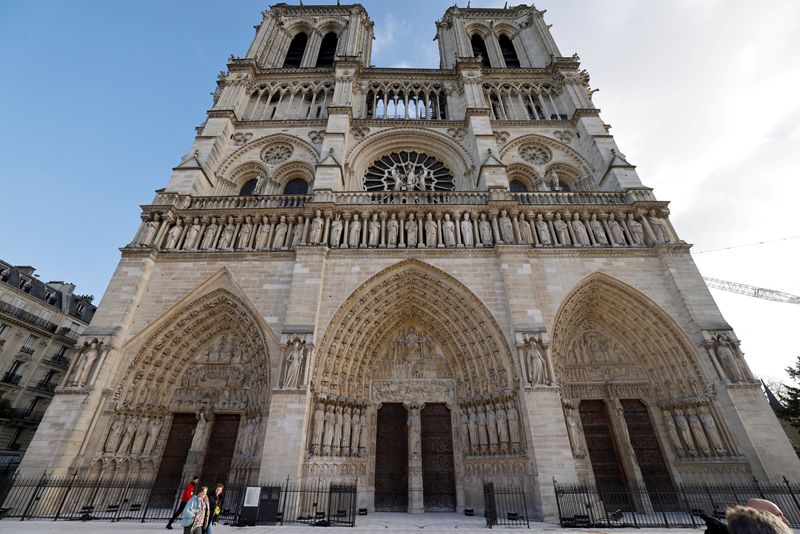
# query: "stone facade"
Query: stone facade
40,324
342,237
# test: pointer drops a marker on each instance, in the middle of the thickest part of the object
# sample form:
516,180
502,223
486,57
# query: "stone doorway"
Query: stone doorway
219,450
391,459
438,478
602,447
173,460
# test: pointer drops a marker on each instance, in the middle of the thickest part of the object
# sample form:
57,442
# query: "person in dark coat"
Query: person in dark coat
215,499
188,493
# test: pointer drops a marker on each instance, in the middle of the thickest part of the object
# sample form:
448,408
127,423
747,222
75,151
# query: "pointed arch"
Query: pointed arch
466,331
607,332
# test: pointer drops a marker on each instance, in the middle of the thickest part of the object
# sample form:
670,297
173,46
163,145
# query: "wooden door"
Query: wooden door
219,451
168,479
391,459
438,478
606,464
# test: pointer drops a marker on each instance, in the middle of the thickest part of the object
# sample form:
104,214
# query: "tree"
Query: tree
790,397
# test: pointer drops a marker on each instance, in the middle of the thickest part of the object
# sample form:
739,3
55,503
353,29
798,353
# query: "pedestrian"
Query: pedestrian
196,514
215,501
188,491
749,520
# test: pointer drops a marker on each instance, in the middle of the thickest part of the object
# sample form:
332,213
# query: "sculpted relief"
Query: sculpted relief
594,356
412,354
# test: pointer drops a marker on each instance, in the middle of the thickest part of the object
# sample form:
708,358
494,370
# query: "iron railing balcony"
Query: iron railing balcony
46,386
27,350
11,378
61,361
27,317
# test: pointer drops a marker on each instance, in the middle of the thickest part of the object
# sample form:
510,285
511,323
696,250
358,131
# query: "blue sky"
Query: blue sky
101,98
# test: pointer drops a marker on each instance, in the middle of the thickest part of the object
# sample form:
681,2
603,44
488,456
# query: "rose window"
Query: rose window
276,153
536,154
408,171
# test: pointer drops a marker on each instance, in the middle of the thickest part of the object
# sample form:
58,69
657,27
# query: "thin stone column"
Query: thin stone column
416,504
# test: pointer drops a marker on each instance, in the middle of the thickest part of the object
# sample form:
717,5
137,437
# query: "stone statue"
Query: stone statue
362,438
347,424
317,226
598,231
411,231
261,234
513,427
448,231
152,436
261,184
327,435
297,232
209,235
279,238
502,427
491,428
141,436
86,361
659,231
579,229
525,231
127,437
294,364
319,424
245,232
506,228
710,427
543,230
336,231
430,231
485,228
354,237
483,435
697,431
727,359
617,233
636,230
685,432
464,428
466,231
414,432
226,239
199,437
574,432
115,434
173,235
535,362
356,432
562,232
391,230
474,441
337,431
374,231
191,235
672,430
150,230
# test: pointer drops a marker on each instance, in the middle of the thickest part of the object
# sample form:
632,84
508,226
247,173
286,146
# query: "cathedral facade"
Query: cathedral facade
416,279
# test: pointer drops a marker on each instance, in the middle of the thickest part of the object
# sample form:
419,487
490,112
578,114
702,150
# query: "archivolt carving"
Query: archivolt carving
606,333
411,291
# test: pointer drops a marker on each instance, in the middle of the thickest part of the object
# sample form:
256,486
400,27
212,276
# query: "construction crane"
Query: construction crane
752,291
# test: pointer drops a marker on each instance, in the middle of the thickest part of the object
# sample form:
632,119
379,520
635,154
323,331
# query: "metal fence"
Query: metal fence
505,506
583,505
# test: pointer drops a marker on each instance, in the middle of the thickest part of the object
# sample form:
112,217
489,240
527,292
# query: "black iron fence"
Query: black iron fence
505,506
583,505
80,498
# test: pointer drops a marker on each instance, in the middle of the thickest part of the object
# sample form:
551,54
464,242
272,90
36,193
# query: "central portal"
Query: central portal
391,459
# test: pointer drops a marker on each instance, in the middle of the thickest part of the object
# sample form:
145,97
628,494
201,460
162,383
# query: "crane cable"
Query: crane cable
748,244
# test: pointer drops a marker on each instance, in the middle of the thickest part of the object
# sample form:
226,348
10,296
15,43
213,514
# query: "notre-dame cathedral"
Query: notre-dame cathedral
417,279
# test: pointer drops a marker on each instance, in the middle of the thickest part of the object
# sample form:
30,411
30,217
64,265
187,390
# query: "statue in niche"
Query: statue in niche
336,231
414,431
710,427
636,230
464,428
362,438
502,427
555,181
506,228
535,363
513,427
697,431
525,231
491,428
337,431
262,233
211,233
411,231
327,434
354,237
262,181
319,425
448,231
579,229
115,434
430,231
317,226
485,229
191,235
297,233
141,436
543,230
562,232
150,230
617,233
672,431
466,231
727,359
574,432
657,225
244,234
598,231
347,428
685,432
279,238
86,363
374,231
483,436
355,433
173,235
199,437
294,363
152,436
226,239
127,437
391,230
474,441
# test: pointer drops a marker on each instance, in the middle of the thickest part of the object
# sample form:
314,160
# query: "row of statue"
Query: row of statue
491,428
134,435
339,430
693,432
401,230
247,441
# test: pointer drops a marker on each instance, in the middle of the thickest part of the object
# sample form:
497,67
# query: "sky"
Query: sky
100,101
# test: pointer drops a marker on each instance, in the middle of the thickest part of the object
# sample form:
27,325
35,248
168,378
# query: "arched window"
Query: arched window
296,48
479,49
327,50
509,54
517,187
249,187
296,186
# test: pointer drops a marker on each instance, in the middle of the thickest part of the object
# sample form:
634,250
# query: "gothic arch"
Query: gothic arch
450,153
523,173
561,153
414,292
251,152
607,333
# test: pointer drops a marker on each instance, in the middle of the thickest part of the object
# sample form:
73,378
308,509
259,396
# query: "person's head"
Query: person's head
195,480
203,491
218,488
767,506
748,520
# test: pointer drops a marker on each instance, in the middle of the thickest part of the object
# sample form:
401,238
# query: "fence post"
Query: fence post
525,505
35,496
122,500
760,493
66,494
558,503
285,496
688,506
791,492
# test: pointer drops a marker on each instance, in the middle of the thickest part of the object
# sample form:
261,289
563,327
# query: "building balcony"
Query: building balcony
27,350
11,378
61,361
48,387
13,311
68,333
29,416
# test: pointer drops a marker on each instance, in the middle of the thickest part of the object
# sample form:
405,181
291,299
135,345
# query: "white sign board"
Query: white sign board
251,496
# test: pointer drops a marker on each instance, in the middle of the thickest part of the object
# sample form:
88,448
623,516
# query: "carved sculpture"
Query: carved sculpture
115,434
336,231
86,363
485,229
411,231
317,226
279,238
562,232
659,231
502,427
262,234
710,427
448,231
355,437
141,436
727,359
506,228
337,431
209,235
535,362
200,430
391,231
173,235
319,425
192,235
672,431
483,435
430,231
466,231
697,432
636,230
543,230
374,231
297,233
152,436
127,437
685,432
512,416
294,363
347,423
355,232
574,431
150,230
246,230
617,233
597,231
327,435
226,239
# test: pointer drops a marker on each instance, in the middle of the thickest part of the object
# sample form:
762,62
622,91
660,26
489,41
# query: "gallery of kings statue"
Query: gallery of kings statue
417,280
